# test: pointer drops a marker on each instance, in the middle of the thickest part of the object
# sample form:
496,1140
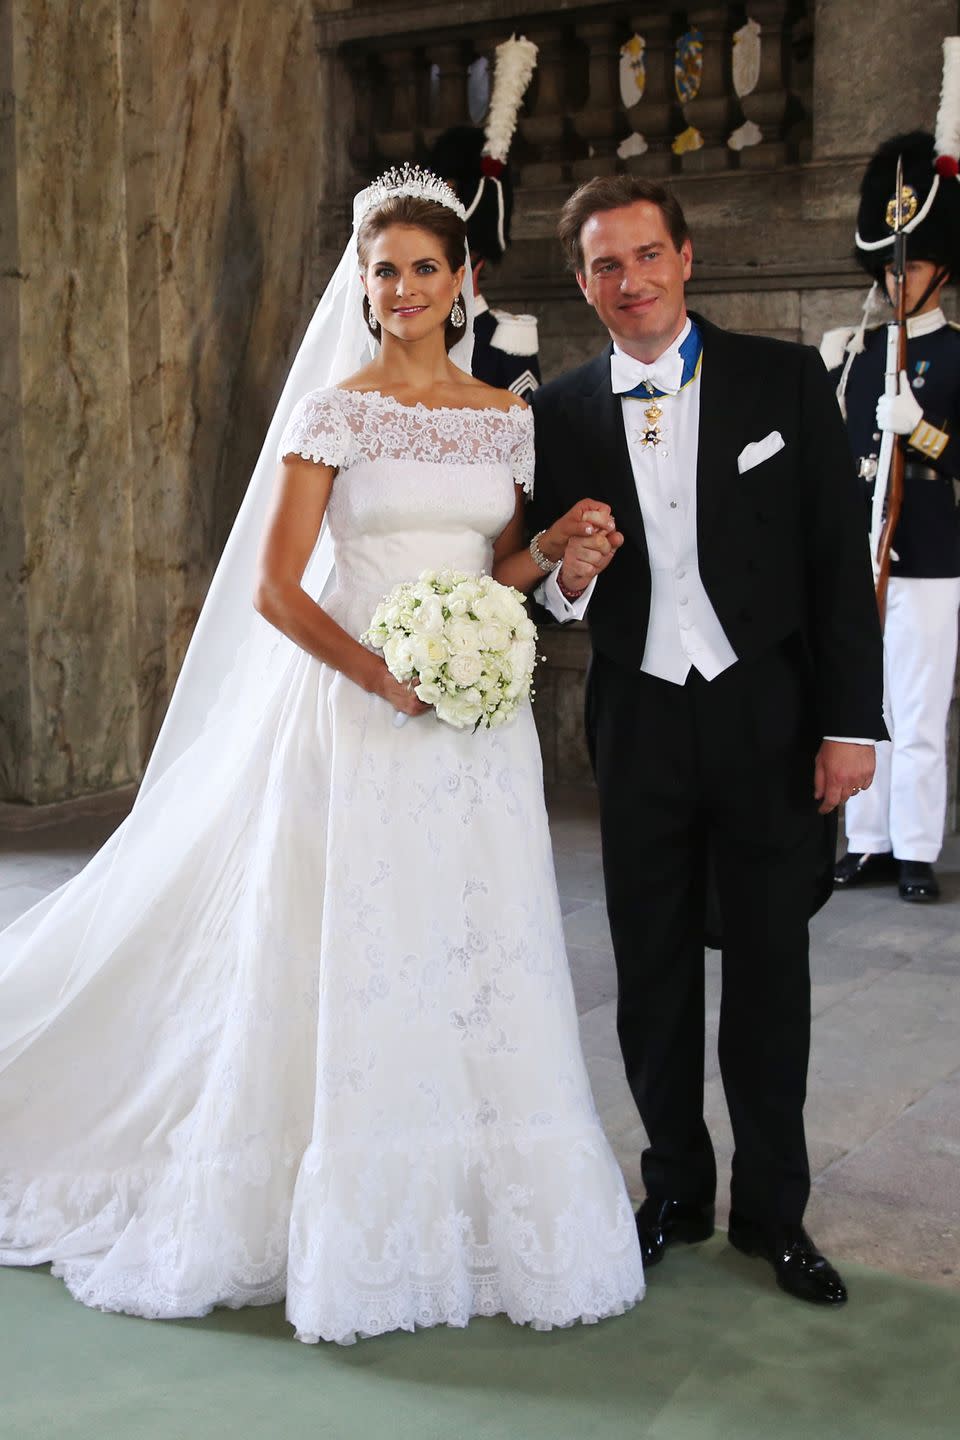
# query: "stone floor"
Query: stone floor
883,1113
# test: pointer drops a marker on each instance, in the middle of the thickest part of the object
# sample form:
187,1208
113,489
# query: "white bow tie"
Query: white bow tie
664,374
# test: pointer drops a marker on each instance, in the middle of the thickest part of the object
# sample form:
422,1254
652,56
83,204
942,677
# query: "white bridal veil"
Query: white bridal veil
233,673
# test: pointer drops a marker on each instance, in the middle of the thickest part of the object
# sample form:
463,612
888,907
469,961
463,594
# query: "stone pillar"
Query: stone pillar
766,105
657,115
158,197
712,108
69,694
600,123
396,141
543,126
14,646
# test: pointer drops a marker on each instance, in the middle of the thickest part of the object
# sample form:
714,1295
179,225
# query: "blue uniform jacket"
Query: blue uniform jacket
927,539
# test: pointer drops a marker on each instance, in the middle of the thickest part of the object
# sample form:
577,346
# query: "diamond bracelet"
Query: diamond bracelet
538,557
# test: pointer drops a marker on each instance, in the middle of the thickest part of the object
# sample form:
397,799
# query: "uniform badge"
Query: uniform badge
921,368
910,204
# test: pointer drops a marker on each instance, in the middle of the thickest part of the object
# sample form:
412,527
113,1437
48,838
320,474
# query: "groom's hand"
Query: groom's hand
586,518
587,556
841,770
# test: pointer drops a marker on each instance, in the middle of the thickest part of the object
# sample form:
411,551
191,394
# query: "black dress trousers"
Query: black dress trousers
713,776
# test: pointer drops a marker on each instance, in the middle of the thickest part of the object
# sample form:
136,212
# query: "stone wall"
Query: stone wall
159,175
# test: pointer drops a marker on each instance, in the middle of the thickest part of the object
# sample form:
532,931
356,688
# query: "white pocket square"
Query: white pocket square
759,450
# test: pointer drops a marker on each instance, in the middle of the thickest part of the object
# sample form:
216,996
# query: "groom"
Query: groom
732,703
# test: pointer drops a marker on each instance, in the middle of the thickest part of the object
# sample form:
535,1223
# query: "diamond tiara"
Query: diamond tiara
407,180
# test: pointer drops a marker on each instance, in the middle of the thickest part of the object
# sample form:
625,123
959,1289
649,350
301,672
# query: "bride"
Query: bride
304,1026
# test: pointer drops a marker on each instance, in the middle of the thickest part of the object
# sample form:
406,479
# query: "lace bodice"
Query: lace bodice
416,488
346,428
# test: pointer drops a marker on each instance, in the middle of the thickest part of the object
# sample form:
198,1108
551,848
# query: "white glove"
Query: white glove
900,413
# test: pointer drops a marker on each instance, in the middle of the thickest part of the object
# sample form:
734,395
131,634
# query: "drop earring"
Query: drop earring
370,318
458,316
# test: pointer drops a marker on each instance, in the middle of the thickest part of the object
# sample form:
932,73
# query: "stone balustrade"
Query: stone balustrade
641,87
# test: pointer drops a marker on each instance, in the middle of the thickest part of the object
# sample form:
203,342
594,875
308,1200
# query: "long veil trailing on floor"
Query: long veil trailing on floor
232,674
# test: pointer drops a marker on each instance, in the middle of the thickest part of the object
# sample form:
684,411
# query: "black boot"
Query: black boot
868,868
917,881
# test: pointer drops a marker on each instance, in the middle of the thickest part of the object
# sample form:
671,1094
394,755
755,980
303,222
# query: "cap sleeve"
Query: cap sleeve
521,456
316,430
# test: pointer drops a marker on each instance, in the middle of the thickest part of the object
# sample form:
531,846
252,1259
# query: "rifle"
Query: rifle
888,497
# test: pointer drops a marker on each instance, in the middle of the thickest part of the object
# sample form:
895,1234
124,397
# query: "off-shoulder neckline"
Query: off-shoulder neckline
391,400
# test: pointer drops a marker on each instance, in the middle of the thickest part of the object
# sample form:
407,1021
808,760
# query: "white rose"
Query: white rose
485,607
429,693
427,651
522,653
448,580
428,618
501,603
522,656
525,628
396,653
494,635
462,634
465,669
461,598
455,711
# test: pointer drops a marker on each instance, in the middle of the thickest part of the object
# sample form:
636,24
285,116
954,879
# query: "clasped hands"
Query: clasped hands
585,540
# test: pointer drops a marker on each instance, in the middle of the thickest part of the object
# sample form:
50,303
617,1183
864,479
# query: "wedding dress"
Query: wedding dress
336,1056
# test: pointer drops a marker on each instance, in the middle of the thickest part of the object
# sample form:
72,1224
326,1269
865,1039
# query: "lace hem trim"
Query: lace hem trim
355,1254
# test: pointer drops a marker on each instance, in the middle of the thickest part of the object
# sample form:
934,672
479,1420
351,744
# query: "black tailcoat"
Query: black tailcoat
719,777
781,547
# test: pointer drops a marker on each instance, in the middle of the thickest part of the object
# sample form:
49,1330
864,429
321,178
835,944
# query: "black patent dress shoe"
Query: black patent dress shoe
865,868
917,881
799,1267
663,1222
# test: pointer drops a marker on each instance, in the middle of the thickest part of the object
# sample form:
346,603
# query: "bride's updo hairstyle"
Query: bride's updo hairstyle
415,213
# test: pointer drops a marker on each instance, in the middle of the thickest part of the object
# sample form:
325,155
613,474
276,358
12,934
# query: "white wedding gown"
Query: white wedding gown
336,1056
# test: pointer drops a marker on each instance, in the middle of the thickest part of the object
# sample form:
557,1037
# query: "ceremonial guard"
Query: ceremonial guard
895,828
474,162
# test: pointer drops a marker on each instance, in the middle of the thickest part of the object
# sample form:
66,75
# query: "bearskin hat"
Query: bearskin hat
457,156
931,220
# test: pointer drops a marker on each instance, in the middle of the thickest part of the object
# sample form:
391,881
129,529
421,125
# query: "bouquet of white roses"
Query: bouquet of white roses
467,641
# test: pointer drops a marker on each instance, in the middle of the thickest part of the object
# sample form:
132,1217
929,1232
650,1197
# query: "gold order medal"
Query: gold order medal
651,434
910,204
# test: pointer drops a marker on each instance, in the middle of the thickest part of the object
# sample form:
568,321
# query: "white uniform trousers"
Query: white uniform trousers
905,807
